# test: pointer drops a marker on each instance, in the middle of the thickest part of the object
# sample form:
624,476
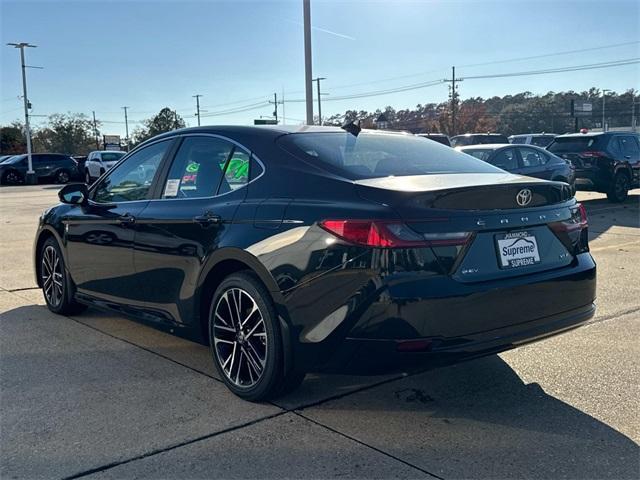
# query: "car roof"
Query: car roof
596,134
534,135
492,146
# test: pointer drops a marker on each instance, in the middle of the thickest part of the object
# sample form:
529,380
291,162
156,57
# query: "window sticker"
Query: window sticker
171,189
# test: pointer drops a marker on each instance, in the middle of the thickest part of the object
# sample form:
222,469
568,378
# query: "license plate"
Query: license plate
517,249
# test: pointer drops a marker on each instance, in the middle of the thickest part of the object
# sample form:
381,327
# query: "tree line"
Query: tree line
511,114
76,134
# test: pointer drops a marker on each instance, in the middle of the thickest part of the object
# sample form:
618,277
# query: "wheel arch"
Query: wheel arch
43,235
223,263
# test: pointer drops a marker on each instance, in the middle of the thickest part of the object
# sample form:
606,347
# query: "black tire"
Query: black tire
63,176
87,177
11,177
251,367
57,287
619,188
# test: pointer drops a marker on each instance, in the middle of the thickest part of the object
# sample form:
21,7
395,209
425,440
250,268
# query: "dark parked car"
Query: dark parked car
5,157
605,162
47,166
477,139
525,160
290,249
437,137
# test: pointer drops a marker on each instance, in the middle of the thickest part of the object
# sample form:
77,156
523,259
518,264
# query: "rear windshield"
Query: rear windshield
541,140
478,139
373,155
111,156
480,153
518,140
574,144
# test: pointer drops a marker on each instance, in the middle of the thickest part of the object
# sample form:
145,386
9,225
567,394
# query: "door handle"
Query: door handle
207,219
126,219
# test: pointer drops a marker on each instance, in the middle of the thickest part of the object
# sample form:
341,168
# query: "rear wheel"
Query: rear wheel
619,188
245,340
56,284
63,176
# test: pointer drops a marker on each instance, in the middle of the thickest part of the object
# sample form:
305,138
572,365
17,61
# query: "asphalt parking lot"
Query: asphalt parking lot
101,396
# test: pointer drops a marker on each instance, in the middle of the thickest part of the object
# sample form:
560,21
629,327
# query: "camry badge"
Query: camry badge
524,197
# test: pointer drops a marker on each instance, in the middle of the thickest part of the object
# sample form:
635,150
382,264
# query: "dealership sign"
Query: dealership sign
581,108
111,142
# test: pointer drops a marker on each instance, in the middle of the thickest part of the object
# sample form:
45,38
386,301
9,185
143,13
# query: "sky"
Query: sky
103,55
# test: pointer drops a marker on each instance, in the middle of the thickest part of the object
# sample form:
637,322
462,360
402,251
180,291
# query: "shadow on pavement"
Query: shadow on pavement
478,419
604,215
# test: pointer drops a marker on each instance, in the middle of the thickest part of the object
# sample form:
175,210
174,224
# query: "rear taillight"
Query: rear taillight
390,234
578,221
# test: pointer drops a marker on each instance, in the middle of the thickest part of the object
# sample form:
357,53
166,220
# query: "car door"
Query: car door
99,235
630,149
533,163
178,231
505,158
41,165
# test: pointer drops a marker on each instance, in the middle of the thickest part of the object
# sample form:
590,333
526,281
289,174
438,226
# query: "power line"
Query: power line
591,66
546,55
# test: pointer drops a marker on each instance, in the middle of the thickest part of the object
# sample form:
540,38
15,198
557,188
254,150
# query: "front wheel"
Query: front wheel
245,339
56,285
87,177
11,178
619,188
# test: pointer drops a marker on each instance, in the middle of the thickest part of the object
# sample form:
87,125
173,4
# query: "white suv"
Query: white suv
99,162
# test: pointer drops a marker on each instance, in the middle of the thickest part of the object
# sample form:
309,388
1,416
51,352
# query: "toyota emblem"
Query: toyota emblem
524,197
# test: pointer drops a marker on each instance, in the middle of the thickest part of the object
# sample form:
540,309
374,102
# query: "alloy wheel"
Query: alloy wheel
87,178
52,276
621,187
63,177
240,337
12,178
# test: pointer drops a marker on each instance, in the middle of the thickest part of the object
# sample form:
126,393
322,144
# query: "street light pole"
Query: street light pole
197,97
306,8
604,94
31,175
126,127
317,80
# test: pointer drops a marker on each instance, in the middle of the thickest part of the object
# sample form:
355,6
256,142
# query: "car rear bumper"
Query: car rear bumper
367,356
413,320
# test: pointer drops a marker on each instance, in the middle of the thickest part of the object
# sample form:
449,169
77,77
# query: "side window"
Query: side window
236,174
256,169
628,146
196,171
132,179
531,157
505,159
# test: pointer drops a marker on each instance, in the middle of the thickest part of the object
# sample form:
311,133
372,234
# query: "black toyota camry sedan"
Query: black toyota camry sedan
319,248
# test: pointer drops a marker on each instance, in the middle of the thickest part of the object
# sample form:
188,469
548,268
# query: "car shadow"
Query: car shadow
603,215
479,419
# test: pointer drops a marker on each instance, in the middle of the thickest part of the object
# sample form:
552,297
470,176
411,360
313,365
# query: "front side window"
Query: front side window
205,167
531,157
132,179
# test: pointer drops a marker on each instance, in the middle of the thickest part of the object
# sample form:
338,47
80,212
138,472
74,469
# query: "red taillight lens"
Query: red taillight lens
578,221
389,234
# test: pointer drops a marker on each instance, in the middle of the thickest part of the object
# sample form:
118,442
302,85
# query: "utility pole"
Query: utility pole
306,8
604,95
95,130
454,98
275,105
317,80
31,178
197,97
126,127
284,118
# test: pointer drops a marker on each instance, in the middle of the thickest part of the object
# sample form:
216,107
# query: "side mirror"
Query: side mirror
74,194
